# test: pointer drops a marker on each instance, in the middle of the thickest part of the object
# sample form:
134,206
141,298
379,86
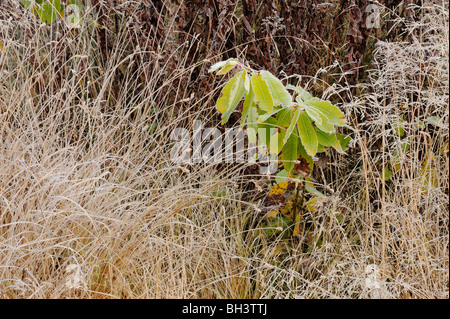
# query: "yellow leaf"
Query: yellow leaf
279,189
287,210
272,214
297,229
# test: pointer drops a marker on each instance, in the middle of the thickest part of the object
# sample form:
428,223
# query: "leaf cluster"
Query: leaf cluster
302,125
50,10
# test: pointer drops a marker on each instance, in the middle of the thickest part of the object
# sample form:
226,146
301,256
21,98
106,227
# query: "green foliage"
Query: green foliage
262,94
232,94
307,134
304,127
309,120
51,10
290,153
47,10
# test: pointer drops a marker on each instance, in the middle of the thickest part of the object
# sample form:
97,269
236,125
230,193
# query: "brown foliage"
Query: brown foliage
295,37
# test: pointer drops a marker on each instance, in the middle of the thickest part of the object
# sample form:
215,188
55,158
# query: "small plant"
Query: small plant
289,124
302,125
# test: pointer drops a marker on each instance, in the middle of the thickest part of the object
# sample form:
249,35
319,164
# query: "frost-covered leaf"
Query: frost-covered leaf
292,125
262,94
307,134
399,126
247,78
317,117
332,114
252,126
326,127
224,66
309,187
284,118
302,94
436,121
279,93
232,94
265,116
344,140
289,153
328,140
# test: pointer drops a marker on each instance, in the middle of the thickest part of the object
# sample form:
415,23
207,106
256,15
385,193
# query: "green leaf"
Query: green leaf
281,176
227,68
344,140
284,118
47,10
326,139
262,93
302,94
314,203
274,146
320,120
247,78
289,153
265,116
279,93
252,126
232,94
307,134
224,66
276,226
28,4
281,135
387,173
292,125
332,114
268,135
248,101
321,148
50,11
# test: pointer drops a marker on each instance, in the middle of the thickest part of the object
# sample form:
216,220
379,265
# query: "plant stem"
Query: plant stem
295,203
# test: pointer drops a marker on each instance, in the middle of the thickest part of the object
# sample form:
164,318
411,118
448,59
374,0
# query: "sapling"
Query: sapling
305,125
